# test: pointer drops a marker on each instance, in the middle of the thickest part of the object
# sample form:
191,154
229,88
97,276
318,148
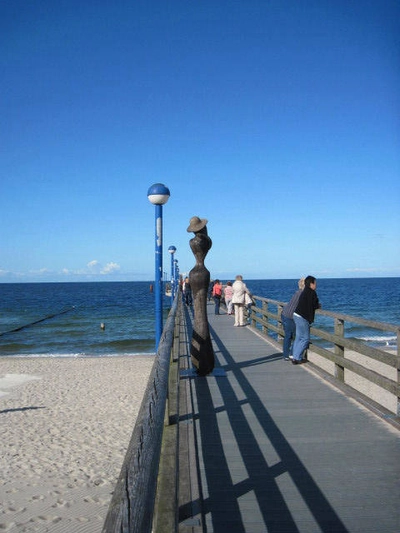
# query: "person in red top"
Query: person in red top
217,294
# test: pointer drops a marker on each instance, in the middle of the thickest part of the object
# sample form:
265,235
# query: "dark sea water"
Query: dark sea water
63,319
125,309
376,299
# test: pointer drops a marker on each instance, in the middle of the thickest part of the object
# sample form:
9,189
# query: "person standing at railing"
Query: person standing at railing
238,299
288,323
303,317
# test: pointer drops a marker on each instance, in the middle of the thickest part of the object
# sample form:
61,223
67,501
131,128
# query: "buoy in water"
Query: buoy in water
102,326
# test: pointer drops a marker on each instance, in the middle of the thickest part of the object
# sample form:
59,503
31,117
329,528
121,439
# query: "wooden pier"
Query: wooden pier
261,445
267,446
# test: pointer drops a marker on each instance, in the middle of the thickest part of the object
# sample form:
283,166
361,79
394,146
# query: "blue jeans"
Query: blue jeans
302,339
289,328
217,304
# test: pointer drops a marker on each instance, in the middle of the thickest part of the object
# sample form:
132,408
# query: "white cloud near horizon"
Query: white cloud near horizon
95,267
110,268
93,264
92,269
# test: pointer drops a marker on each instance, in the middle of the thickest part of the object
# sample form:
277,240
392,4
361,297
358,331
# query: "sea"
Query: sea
106,319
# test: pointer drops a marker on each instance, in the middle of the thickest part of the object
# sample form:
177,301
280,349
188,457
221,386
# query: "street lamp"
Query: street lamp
158,194
176,275
172,250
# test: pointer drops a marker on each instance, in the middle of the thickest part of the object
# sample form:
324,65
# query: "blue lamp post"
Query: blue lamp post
172,250
176,275
158,194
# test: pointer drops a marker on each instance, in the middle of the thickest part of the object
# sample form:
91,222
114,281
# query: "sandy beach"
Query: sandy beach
65,425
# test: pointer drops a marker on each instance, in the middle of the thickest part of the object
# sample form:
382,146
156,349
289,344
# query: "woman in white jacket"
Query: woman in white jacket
238,300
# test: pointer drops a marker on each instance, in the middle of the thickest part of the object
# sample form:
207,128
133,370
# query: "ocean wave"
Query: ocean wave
387,340
48,345
79,355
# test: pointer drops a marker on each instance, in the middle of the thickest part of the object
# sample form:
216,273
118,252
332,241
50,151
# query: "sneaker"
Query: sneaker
291,357
286,358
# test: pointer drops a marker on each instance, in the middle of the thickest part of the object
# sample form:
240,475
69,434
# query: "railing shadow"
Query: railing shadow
223,493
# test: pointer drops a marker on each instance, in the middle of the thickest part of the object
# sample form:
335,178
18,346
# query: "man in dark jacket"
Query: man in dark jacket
304,317
289,327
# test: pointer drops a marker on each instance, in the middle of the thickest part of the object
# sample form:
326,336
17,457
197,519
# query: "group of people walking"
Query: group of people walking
297,317
237,297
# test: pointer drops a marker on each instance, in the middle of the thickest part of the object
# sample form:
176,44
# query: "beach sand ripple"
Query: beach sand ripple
65,426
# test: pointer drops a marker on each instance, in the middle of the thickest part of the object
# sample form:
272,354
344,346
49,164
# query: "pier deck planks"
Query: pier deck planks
277,449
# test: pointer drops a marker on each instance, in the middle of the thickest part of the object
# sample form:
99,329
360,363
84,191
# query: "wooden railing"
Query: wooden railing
132,505
372,371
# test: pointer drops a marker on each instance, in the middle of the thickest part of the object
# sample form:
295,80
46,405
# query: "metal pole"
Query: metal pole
158,195
172,279
176,276
158,273
176,279
172,250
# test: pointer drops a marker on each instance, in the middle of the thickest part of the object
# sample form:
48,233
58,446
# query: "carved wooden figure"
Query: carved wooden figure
201,350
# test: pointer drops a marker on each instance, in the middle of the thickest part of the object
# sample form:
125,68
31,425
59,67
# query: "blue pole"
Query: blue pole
172,280
176,274
158,195
172,250
158,273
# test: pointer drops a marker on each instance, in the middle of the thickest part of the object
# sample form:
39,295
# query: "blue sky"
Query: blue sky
278,121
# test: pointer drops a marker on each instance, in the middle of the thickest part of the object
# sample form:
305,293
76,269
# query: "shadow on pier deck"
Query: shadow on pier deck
266,446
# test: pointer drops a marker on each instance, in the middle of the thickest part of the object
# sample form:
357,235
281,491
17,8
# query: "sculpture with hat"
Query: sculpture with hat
196,224
201,350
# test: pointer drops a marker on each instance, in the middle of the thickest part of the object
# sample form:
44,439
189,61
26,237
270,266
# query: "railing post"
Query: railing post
253,316
280,326
339,349
265,311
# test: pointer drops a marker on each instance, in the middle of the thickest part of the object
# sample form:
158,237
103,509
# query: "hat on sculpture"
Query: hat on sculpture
196,224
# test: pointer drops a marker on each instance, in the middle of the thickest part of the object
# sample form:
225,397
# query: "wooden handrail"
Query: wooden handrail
132,505
270,324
